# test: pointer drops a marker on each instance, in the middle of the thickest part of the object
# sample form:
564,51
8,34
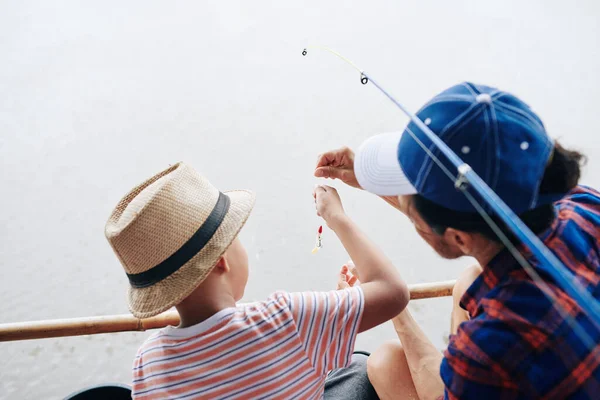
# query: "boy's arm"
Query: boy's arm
327,324
385,293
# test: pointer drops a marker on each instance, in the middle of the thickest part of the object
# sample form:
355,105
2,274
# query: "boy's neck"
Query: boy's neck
203,303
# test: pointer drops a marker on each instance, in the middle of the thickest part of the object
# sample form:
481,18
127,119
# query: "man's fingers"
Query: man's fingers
321,172
335,158
328,158
329,172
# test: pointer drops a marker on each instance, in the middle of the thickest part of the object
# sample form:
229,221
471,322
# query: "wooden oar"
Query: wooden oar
128,323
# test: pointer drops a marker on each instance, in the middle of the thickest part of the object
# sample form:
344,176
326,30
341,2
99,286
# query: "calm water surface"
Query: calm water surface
94,98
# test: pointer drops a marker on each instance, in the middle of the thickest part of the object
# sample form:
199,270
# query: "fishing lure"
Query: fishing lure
319,243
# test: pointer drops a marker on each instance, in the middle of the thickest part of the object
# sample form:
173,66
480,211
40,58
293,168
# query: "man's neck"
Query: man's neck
487,251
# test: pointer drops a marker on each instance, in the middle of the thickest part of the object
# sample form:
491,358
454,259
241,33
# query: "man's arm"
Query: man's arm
423,358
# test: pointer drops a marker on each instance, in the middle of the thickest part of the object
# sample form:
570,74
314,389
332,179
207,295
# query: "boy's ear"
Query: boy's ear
222,266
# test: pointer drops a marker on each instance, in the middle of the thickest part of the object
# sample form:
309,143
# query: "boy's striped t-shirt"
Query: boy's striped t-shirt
281,348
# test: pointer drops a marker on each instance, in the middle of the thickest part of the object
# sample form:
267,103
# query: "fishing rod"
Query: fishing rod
128,323
467,178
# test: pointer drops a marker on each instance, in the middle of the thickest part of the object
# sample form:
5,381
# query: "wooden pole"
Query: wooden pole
128,323
430,290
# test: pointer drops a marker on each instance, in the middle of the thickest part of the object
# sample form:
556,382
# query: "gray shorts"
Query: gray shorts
352,382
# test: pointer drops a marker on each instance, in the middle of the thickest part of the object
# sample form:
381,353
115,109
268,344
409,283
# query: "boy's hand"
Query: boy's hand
337,164
328,204
348,276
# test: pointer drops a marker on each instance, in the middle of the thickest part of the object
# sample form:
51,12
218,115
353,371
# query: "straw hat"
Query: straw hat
169,232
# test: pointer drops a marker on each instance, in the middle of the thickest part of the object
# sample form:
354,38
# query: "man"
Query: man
508,340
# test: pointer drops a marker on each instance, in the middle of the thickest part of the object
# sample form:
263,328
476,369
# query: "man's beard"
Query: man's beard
448,252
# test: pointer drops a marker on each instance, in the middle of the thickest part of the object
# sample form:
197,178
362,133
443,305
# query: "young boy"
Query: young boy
176,236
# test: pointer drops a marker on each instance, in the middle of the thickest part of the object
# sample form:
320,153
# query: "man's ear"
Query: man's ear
222,266
463,240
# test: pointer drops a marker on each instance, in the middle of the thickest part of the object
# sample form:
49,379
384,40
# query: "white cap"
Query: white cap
377,168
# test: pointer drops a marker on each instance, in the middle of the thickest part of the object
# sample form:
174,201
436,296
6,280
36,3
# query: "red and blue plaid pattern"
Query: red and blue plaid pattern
518,344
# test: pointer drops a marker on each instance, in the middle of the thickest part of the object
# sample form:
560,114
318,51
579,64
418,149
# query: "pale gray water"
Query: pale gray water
97,97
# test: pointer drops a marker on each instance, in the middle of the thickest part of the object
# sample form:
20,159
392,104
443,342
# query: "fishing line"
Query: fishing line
468,178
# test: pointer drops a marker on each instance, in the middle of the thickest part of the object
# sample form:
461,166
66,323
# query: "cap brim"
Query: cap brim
377,168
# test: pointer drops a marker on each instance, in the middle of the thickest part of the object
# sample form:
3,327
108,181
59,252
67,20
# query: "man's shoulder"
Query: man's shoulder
581,196
578,217
518,302
516,320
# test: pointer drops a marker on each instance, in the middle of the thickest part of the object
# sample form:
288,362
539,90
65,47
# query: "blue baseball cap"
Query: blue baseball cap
494,132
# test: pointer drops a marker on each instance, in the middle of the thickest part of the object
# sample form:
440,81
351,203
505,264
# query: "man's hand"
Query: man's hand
348,276
337,164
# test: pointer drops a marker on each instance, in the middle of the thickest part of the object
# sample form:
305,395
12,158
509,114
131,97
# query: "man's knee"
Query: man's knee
384,359
465,279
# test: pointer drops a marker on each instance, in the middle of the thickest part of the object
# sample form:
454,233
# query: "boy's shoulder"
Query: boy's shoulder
278,303
278,298
278,308
152,343
170,334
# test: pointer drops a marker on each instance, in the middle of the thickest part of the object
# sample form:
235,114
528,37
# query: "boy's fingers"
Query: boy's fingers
352,280
353,270
344,269
319,190
342,285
